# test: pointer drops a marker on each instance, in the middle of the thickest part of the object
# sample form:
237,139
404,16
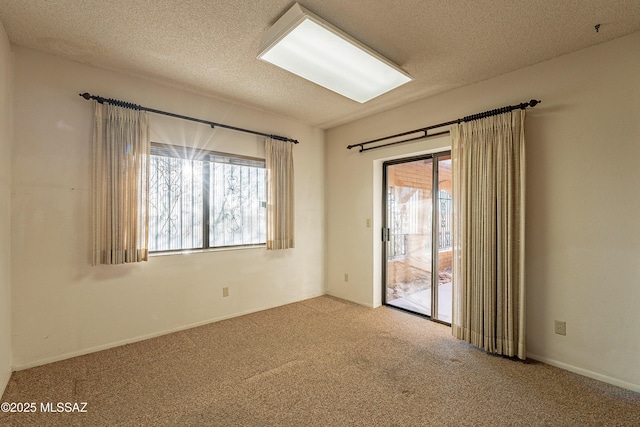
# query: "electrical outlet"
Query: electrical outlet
561,327
346,277
368,222
225,291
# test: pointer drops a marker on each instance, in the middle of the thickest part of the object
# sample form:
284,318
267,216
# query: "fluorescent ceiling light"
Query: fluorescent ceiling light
304,44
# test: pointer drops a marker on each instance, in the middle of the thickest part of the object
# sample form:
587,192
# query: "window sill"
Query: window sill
197,251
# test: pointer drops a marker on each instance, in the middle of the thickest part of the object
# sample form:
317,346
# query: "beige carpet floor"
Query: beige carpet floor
319,362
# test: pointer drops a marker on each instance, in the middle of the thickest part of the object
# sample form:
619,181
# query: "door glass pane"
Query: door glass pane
409,222
444,237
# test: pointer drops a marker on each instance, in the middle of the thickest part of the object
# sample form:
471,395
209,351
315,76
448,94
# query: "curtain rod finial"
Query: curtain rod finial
86,95
534,102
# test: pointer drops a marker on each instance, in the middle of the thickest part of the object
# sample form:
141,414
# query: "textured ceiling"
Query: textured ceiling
210,46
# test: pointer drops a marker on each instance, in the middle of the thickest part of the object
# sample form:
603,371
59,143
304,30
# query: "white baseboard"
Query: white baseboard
585,372
94,349
4,381
366,304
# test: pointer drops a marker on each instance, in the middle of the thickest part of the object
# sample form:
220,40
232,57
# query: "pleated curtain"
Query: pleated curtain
488,158
121,153
280,197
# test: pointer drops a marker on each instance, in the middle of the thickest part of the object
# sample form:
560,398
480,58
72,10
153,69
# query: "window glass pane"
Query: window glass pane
183,179
237,205
175,205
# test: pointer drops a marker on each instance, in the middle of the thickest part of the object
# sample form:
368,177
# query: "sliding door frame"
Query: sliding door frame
435,214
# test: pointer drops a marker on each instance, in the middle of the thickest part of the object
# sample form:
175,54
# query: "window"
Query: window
203,199
446,219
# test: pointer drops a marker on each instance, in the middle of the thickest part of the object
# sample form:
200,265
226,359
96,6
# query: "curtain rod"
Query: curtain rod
123,104
426,130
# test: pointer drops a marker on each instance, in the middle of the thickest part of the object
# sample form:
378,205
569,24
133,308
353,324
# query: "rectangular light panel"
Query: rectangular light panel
304,44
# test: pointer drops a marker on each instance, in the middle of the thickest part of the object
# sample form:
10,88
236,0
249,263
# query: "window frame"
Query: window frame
205,156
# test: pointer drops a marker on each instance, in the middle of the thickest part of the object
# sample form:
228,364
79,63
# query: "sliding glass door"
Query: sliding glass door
417,235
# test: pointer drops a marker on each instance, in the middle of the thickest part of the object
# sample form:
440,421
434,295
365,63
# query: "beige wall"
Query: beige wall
583,233
5,209
62,306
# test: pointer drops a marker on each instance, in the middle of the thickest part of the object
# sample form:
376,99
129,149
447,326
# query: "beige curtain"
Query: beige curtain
280,203
121,149
489,195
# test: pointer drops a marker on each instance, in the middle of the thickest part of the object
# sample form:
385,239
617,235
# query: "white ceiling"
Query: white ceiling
210,46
